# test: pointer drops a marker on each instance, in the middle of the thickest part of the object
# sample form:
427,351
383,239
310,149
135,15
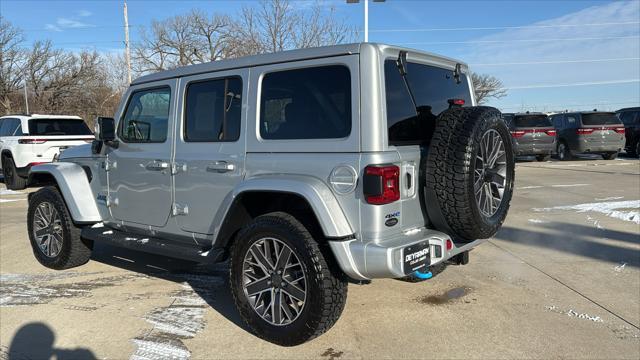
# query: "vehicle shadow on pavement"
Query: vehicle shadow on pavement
35,341
209,282
578,240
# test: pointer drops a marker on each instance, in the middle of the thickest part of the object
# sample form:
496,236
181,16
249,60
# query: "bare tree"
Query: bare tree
11,57
487,86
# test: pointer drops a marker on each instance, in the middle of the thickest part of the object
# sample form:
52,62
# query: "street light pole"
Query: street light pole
366,16
126,42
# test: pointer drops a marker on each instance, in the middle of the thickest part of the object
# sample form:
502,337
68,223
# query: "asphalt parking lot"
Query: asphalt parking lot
560,280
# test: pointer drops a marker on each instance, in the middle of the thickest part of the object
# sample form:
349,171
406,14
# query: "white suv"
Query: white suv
27,140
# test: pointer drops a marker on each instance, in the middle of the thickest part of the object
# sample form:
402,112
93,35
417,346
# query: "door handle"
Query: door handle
221,167
157,165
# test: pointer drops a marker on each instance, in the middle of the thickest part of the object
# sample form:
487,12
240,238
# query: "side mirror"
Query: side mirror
105,129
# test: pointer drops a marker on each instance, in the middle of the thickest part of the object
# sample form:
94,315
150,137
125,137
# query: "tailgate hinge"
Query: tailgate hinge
179,209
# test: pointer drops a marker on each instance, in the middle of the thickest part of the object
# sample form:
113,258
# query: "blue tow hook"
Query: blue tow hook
423,276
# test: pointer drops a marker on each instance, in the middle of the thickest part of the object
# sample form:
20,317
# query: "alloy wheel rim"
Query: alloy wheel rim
561,151
274,281
47,229
490,173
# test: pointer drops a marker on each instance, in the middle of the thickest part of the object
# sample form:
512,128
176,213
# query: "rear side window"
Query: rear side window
58,127
532,121
146,117
309,103
432,87
213,110
630,118
10,127
600,119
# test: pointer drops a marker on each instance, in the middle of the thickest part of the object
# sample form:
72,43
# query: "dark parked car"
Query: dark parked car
588,132
630,117
532,133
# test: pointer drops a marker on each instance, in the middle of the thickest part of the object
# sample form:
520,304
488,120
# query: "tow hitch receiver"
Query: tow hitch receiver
461,259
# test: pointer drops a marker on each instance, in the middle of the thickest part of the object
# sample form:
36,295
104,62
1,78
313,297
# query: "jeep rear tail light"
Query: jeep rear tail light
32,141
551,132
381,184
584,131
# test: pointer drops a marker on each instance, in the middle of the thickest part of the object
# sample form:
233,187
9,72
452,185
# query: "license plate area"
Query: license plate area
416,257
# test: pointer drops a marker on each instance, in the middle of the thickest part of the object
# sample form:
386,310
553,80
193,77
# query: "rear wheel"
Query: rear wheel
12,180
610,156
284,287
469,173
543,157
55,240
564,153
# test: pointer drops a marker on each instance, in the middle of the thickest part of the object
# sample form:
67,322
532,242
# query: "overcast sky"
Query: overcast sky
552,55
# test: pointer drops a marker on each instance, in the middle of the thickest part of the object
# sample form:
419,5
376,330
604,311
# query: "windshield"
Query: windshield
532,121
58,127
600,119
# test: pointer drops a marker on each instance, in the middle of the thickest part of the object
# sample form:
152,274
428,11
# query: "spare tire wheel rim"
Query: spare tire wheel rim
274,282
47,229
490,175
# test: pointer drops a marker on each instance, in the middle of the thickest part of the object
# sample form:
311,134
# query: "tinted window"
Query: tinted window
311,103
557,121
58,127
571,120
432,88
213,110
10,127
599,119
147,116
532,121
629,118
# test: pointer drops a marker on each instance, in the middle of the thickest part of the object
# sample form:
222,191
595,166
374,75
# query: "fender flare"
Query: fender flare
75,189
324,204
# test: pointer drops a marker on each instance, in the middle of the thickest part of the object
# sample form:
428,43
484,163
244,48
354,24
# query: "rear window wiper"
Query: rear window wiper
401,63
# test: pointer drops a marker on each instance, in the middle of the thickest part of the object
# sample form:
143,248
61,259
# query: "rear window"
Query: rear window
600,119
432,88
58,127
309,103
532,121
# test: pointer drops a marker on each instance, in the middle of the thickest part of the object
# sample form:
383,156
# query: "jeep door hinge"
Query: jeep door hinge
108,165
178,167
179,209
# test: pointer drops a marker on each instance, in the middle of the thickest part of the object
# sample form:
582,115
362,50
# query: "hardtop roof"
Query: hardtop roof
274,58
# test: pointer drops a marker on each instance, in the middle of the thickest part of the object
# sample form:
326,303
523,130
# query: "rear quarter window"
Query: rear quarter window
432,87
58,127
308,103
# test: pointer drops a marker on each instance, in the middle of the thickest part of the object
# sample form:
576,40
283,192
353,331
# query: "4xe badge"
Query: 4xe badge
392,219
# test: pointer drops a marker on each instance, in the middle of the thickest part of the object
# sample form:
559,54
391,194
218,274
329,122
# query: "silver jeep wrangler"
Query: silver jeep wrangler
305,169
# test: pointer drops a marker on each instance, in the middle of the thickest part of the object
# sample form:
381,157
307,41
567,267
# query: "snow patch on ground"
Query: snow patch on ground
537,221
610,198
611,209
619,268
181,320
573,313
569,185
10,192
530,187
7,200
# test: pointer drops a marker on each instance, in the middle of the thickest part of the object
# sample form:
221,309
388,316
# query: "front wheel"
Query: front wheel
543,157
610,156
55,239
283,286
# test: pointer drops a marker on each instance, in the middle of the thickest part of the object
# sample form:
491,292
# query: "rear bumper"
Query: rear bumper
385,258
590,147
535,149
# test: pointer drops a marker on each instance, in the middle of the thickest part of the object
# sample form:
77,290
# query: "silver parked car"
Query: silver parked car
589,132
533,134
306,169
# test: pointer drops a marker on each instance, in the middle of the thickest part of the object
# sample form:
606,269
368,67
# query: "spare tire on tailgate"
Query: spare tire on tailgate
469,173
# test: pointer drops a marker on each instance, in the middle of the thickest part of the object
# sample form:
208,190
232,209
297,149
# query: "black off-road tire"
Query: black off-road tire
326,289
563,151
542,158
12,180
610,156
75,251
449,191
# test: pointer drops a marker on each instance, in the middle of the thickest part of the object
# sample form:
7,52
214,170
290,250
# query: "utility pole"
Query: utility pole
127,51
26,97
366,16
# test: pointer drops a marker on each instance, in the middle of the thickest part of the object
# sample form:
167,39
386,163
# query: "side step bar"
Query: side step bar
153,245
